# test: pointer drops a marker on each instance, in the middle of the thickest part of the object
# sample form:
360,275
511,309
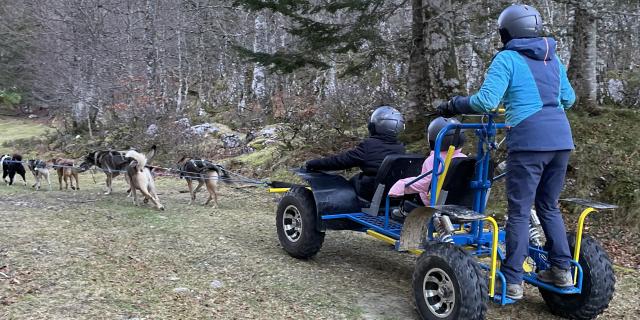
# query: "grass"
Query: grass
12,129
85,255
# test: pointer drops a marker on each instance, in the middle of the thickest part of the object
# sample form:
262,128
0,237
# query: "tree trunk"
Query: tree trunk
417,84
258,83
443,76
582,66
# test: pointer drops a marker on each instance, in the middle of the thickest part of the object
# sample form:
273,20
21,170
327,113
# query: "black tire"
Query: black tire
598,284
296,224
465,278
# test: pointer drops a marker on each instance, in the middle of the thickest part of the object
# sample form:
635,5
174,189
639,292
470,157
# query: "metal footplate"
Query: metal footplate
459,213
590,203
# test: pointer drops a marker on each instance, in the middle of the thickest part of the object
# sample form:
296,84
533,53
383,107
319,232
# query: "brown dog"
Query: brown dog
67,172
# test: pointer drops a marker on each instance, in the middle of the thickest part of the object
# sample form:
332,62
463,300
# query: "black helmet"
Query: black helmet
519,21
387,121
450,138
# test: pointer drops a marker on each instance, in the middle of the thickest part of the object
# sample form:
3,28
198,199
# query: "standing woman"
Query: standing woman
529,79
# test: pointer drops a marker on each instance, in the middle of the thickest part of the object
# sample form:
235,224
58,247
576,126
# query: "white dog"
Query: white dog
139,177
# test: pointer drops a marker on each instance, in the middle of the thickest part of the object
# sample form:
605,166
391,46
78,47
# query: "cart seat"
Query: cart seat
456,189
393,168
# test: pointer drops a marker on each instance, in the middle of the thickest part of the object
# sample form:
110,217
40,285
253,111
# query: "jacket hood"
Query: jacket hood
543,48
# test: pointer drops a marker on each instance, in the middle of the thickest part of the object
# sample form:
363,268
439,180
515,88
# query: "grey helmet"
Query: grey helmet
386,121
519,21
453,137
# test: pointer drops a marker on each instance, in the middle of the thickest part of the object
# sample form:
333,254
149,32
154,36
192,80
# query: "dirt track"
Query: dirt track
84,255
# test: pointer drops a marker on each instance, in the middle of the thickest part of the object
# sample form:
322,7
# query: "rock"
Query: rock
616,90
204,129
152,130
216,284
271,131
181,290
231,140
183,123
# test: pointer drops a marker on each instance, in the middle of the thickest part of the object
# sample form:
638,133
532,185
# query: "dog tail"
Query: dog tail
138,157
152,153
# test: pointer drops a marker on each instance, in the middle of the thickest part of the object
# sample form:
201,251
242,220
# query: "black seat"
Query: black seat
393,168
456,189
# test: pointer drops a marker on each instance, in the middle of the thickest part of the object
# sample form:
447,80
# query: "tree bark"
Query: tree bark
258,82
582,66
417,84
442,73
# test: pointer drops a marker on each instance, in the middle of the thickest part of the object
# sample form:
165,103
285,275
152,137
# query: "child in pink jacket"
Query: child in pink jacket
423,185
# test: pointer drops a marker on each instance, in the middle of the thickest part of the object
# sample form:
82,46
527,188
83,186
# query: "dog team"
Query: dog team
135,166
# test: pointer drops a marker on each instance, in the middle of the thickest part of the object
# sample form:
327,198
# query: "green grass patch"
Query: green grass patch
14,130
605,164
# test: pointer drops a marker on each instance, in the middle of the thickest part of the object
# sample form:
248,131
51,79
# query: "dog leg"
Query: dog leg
75,176
153,197
211,187
200,183
108,184
192,194
135,196
60,174
48,180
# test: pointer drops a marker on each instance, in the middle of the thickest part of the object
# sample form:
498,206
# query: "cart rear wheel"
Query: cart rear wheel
296,224
598,284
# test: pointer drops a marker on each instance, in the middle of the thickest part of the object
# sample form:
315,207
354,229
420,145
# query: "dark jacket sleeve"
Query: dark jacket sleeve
348,159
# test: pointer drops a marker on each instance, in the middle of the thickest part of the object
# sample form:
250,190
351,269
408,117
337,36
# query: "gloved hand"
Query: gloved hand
306,167
447,109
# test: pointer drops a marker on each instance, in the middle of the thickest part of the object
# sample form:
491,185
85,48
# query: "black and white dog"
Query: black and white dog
206,173
10,165
39,170
111,162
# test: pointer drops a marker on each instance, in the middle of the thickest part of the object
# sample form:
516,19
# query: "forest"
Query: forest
92,62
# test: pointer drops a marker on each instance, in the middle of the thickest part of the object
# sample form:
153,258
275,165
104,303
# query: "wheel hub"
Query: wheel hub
439,293
292,223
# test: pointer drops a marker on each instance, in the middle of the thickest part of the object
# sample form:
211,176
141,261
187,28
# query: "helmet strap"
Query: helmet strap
372,128
504,36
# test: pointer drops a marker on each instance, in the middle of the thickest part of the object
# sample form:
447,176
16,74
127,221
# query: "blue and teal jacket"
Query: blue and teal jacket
528,78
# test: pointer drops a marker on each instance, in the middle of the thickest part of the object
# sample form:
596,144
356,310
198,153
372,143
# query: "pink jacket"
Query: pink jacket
421,186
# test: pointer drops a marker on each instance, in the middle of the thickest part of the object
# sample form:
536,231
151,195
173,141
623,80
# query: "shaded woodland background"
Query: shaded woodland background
101,61
120,73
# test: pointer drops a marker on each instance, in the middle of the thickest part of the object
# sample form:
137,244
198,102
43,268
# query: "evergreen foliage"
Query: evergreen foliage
323,30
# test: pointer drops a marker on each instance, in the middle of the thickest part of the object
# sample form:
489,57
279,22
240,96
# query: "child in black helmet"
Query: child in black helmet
384,126
423,185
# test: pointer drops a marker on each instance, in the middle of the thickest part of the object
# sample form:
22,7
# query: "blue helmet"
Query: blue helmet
519,21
